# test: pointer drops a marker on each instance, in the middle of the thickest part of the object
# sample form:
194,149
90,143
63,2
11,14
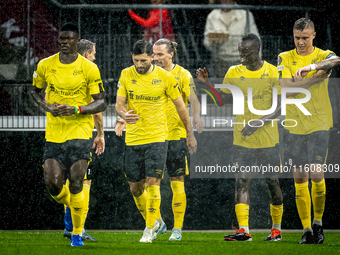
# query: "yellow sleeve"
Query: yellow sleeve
121,86
172,89
283,67
94,81
39,80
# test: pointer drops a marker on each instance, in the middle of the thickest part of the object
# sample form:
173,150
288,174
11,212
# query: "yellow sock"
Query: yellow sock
63,197
318,198
152,205
242,214
86,190
179,203
303,203
141,203
276,212
77,210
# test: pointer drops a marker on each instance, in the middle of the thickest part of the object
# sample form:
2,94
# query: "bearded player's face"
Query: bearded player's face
162,57
142,62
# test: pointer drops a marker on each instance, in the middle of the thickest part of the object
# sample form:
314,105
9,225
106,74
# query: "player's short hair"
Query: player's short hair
303,23
84,46
253,38
69,27
170,46
141,47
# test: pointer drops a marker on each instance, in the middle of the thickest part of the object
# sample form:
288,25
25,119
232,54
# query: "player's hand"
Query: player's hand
65,110
188,142
193,145
99,144
302,72
53,109
120,125
249,130
198,124
131,118
202,74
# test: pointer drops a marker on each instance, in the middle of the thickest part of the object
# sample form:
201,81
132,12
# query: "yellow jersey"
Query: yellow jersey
70,84
262,82
147,95
319,105
186,84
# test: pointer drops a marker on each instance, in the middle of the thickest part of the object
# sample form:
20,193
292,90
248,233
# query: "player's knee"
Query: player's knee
242,184
136,189
76,186
272,182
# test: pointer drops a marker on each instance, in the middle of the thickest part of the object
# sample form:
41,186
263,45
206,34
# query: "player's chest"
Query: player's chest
295,64
146,92
66,78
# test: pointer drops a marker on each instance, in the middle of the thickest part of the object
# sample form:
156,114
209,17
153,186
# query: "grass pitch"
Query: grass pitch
51,242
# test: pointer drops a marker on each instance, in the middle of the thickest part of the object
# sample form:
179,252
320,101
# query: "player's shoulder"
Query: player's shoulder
85,62
269,66
47,60
287,54
324,54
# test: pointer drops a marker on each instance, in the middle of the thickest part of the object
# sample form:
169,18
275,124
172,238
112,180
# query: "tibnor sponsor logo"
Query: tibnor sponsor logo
238,100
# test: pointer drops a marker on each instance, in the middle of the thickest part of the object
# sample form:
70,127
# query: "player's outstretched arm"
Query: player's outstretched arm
265,120
40,100
325,65
128,116
184,115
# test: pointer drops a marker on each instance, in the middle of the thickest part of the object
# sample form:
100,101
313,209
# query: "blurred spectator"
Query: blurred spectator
223,31
152,23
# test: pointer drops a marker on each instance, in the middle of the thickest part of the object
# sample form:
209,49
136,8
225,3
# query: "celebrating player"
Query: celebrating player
256,142
164,52
87,49
71,82
306,144
146,88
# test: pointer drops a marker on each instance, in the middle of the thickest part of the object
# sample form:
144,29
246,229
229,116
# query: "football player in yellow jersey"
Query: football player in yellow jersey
306,144
87,49
71,82
255,141
146,88
164,52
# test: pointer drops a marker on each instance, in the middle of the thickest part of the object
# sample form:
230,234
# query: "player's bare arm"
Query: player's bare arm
184,116
128,116
325,65
196,112
267,120
99,141
203,75
40,100
306,83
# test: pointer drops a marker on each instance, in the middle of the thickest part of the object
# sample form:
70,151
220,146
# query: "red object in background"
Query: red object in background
152,25
43,32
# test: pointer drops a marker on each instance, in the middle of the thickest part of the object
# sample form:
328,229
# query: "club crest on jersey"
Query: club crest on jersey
155,81
76,72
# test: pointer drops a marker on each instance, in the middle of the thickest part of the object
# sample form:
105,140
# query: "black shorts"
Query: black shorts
146,160
249,160
305,149
69,152
177,158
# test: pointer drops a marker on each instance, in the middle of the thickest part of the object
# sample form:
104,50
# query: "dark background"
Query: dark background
26,204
